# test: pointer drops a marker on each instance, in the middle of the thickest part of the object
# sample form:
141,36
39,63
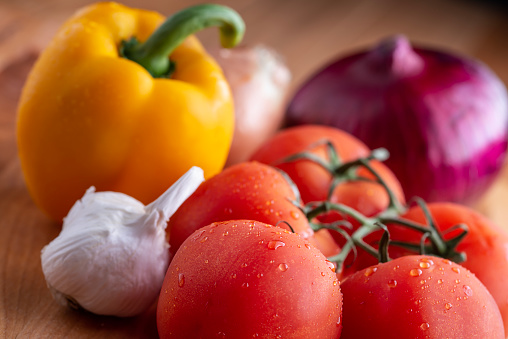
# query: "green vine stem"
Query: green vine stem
432,241
348,171
438,245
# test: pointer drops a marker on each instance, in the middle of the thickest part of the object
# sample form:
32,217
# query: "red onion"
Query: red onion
444,118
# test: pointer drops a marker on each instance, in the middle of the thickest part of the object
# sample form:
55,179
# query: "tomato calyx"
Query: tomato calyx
342,171
438,245
432,241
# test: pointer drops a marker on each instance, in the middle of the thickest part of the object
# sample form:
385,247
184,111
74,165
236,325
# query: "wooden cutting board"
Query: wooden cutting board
306,33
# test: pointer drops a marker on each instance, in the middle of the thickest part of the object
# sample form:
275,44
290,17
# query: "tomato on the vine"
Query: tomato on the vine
246,279
249,190
418,297
314,181
485,245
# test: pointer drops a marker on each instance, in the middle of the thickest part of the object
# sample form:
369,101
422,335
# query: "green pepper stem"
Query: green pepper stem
154,53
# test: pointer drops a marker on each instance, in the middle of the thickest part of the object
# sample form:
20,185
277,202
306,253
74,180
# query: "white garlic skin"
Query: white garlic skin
112,254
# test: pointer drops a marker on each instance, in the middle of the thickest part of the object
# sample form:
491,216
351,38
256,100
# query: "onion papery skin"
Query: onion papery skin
443,117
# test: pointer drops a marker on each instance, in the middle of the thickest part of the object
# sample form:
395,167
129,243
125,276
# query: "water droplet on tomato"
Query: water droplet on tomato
440,281
233,275
392,283
415,272
245,285
424,326
181,279
370,271
197,235
468,290
283,267
274,244
307,246
455,269
448,306
259,275
424,264
330,265
225,233
446,261
294,214
204,239
427,260
244,265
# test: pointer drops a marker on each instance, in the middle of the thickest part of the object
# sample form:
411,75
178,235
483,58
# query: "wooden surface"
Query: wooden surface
306,33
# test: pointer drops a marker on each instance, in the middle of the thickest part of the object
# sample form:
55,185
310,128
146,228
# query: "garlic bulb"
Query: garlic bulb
259,80
112,253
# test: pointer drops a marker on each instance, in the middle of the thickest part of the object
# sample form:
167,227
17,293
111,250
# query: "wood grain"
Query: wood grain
307,33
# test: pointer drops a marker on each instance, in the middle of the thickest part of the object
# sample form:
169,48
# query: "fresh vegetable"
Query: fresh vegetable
111,256
442,117
418,297
485,245
259,81
315,167
314,180
246,279
249,190
446,230
100,108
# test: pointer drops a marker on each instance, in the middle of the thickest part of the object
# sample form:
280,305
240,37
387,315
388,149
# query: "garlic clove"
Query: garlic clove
112,253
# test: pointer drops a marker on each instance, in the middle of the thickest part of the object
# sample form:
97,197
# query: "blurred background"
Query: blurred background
306,33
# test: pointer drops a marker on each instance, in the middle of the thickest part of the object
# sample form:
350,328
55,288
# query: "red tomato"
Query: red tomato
246,279
485,245
313,181
418,297
249,190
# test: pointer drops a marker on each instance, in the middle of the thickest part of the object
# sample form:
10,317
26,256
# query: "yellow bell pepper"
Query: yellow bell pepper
112,105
